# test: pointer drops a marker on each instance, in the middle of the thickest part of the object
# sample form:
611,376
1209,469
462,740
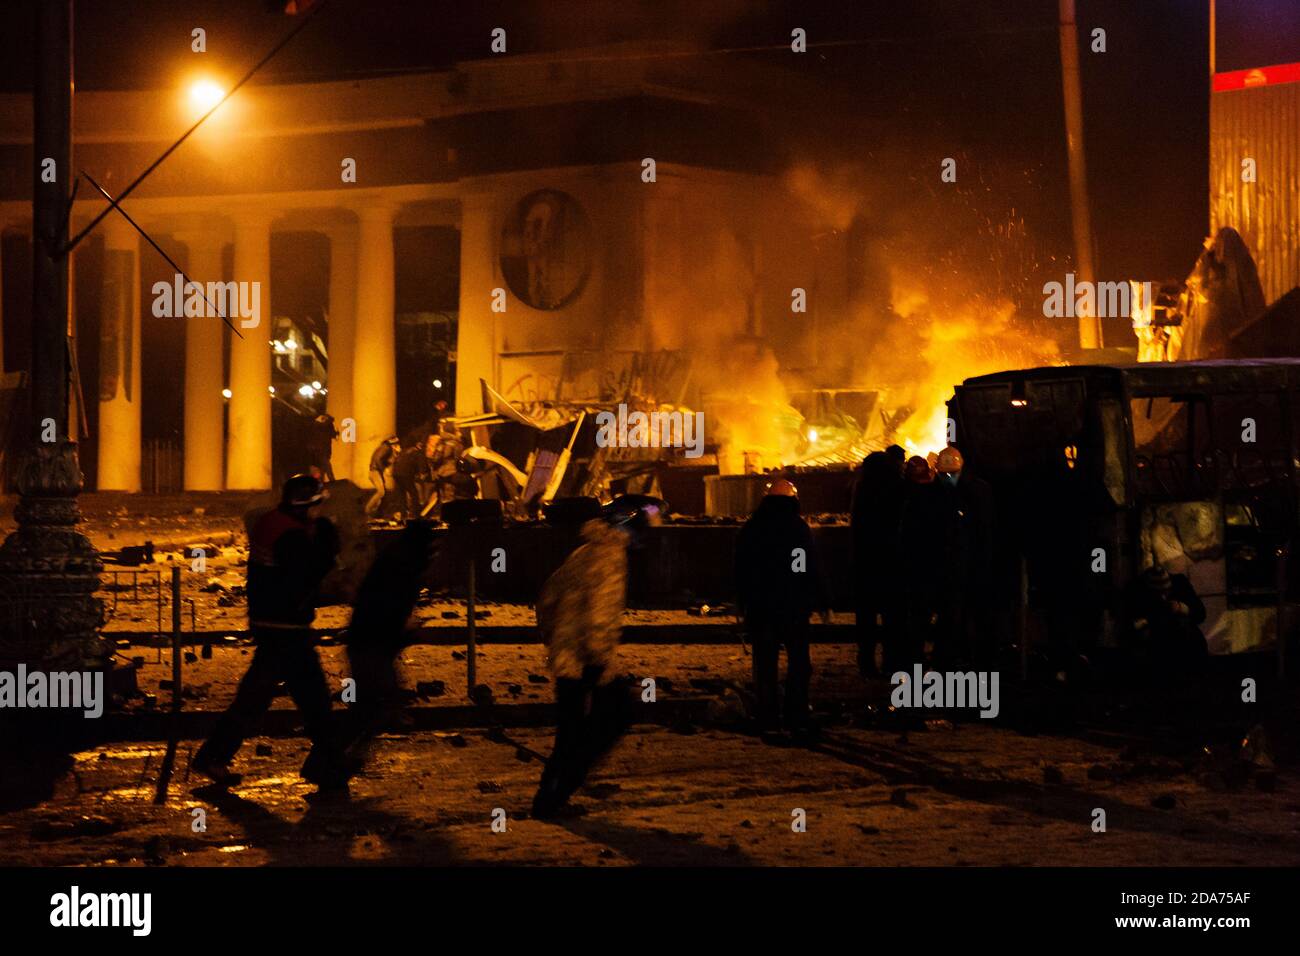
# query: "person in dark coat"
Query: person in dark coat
378,629
877,511
919,524
410,473
290,550
1162,623
779,584
963,563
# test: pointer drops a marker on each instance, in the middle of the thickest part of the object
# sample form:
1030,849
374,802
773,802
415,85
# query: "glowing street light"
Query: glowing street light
226,393
205,94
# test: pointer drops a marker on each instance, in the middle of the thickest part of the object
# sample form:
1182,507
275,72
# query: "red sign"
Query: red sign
1260,76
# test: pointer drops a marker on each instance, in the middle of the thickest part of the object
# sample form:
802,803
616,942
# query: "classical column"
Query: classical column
374,354
119,358
342,333
248,435
204,406
479,275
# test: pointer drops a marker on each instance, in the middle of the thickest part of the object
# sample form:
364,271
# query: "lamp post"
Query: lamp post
49,571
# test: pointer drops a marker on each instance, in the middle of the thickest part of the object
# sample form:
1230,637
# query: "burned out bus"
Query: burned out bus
1101,471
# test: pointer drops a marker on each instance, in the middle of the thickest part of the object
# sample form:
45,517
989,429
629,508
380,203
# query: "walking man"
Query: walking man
580,613
291,549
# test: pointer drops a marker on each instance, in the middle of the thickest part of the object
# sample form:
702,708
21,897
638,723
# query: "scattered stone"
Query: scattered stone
191,657
263,750
605,853
456,740
497,735
448,615
683,726
430,688
1099,772
1053,776
899,798
747,824
939,724
869,831
538,679
488,786
457,655
1165,801
523,755
514,689
482,695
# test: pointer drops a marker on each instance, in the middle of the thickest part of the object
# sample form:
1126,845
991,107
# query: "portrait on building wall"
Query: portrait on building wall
546,249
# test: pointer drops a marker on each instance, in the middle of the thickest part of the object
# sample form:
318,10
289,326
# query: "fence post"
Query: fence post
471,644
176,637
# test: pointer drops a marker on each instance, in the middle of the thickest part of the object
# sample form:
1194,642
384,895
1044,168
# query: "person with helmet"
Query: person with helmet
962,562
779,584
918,471
580,615
290,550
379,629
381,472
877,508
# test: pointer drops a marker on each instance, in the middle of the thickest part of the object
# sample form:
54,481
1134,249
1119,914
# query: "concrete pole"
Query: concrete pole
1089,325
119,358
248,437
342,335
374,383
476,328
204,377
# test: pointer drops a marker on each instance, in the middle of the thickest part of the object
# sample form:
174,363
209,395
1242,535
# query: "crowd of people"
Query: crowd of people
922,580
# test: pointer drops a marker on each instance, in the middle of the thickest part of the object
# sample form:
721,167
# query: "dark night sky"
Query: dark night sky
977,78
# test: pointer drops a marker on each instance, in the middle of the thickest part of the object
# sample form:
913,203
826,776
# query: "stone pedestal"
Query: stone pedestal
49,571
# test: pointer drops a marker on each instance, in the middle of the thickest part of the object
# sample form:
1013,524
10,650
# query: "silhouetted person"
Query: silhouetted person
919,527
877,511
378,629
410,472
779,582
381,472
963,561
1163,617
320,445
290,550
580,615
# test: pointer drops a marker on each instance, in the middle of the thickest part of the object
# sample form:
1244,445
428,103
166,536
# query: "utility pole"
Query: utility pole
49,571
1089,325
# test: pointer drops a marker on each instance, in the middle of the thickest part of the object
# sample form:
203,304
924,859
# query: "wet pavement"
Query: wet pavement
964,795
